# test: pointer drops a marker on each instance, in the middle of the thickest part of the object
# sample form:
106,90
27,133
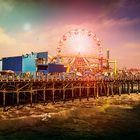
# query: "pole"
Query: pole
112,89
17,99
94,90
87,92
138,85
4,100
120,89
63,93
31,96
108,89
115,68
72,93
44,95
108,56
80,92
53,94
97,91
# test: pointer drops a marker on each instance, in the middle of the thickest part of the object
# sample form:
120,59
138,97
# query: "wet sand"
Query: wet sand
108,118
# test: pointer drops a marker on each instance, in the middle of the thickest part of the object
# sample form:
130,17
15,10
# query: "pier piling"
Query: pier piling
31,91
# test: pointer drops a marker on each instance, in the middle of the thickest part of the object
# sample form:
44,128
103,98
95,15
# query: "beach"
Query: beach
115,118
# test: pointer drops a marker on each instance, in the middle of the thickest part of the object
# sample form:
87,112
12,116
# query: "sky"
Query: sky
38,25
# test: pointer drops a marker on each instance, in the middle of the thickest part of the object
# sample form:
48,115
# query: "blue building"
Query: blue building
12,63
33,62
25,63
0,65
29,63
56,68
42,62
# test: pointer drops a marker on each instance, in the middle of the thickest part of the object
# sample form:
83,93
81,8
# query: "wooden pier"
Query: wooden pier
16,92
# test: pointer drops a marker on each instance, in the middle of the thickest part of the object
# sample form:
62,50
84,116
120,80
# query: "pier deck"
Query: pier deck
31,90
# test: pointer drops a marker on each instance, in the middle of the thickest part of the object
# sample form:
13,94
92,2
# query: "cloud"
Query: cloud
5,39
122,22
26,42
6,5
64,6
132,46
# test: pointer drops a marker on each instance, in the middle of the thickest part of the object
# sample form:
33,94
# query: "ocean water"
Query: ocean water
115,118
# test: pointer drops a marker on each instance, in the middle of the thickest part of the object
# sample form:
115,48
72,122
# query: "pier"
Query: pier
20,91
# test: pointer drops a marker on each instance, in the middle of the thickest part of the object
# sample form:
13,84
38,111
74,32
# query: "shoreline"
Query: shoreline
39,109
105,116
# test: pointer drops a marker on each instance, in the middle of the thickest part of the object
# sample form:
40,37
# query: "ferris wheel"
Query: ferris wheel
78,42
79,38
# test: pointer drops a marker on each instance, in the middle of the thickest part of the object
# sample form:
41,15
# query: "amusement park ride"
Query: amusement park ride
81,59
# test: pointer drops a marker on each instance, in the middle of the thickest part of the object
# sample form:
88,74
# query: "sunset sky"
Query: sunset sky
37,25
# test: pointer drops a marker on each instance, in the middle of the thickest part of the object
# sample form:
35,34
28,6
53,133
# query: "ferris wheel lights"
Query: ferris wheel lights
61,42
58,49
94,37
89,33
76,31
83,30
92,34
64,37
79,30
86,31
68,34
98,39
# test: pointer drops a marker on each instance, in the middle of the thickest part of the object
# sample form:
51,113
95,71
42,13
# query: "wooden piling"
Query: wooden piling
105,89
44,95
108,89
64,93
94,90
53,94
80,92
120,89
128,88
97,91
17,93
31,96
112,89
4,100
124,87
13,97
132,88
88,92
138,87
101,88
72,92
